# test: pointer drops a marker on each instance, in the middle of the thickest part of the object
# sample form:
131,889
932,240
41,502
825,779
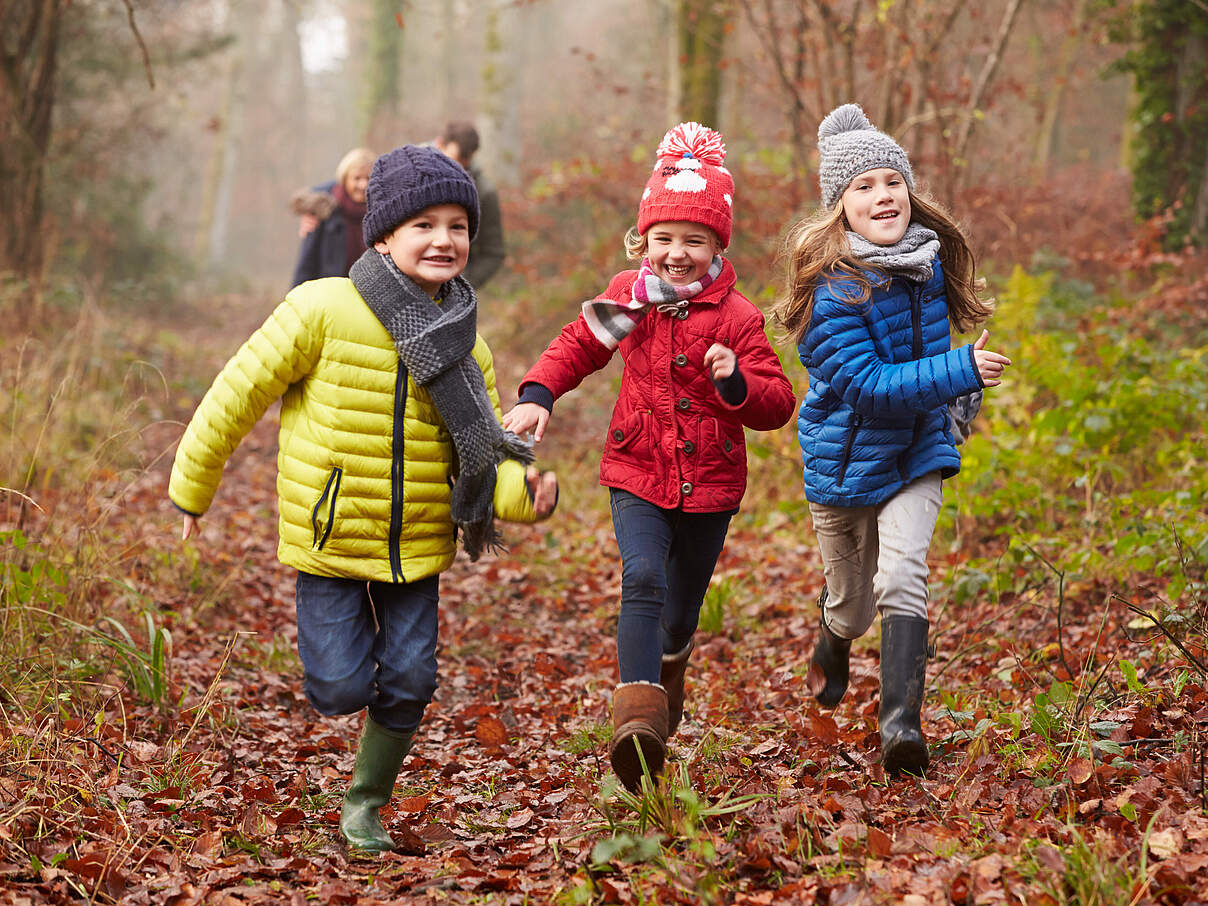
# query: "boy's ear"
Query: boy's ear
381,247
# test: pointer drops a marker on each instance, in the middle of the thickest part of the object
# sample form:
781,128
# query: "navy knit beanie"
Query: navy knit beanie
408,179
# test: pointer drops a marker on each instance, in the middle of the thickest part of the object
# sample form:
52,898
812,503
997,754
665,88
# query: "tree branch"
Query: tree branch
984,77
142,46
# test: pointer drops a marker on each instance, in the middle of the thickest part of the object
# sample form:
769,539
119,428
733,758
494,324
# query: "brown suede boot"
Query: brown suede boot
639,719
671,676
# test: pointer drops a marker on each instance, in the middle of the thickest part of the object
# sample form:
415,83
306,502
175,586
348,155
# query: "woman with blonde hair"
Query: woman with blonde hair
331,220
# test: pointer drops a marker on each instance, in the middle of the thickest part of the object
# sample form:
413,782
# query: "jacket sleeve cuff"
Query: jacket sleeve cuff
732,389
532,392
973,364
186,512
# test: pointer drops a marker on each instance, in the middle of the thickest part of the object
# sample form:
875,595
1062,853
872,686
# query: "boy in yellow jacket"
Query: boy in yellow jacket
390,446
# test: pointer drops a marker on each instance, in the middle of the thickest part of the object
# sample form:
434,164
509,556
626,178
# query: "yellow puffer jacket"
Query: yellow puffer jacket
341,505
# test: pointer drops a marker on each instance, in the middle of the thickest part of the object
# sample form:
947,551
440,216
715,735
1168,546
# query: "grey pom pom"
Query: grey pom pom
845,118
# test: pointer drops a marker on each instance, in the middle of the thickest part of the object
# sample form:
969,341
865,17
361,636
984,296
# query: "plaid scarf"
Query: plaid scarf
611,321
435,344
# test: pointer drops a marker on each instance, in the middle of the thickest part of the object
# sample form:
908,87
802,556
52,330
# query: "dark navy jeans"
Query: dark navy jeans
369,645
667,560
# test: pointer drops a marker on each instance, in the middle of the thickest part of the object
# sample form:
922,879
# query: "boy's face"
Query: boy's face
432,247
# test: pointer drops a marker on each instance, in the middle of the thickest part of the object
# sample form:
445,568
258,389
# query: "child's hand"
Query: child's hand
720,360
525,417
191,527
543,486
990,365
307,224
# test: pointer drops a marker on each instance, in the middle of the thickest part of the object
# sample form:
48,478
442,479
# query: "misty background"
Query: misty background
182,127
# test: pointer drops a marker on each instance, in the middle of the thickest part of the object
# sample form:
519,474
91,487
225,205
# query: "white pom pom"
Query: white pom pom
692,138
846,118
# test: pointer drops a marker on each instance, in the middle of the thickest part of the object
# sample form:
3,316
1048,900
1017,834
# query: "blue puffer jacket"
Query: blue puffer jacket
881,376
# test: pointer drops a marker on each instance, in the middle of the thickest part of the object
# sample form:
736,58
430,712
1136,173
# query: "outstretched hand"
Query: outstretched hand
543,486
721,361
525,417
192,526
990,365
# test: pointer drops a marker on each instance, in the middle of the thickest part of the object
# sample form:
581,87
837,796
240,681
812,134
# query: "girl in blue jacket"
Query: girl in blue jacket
874,283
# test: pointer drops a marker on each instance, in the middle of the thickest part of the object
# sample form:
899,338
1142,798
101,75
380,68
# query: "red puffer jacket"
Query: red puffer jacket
672,440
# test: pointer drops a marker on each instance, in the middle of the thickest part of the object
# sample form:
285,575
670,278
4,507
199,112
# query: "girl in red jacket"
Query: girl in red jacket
698,369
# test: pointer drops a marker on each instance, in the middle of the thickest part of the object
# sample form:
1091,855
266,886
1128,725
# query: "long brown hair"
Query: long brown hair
817,248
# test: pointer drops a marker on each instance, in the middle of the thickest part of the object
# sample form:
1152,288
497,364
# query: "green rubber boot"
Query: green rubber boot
379,758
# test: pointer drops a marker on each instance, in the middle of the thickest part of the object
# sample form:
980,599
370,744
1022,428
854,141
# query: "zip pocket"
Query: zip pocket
847,445
322,529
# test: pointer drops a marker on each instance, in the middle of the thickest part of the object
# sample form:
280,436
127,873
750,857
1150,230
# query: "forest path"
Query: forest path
506,797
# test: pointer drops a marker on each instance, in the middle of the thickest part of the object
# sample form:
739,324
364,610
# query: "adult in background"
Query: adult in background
459,140
331,214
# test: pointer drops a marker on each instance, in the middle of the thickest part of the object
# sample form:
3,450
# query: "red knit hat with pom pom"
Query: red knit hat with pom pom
689,182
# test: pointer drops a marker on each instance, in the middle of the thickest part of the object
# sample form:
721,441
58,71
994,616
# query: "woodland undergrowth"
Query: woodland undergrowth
1070,616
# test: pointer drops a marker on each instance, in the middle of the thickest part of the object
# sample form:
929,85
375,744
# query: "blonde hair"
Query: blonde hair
357,157
637,245
817,249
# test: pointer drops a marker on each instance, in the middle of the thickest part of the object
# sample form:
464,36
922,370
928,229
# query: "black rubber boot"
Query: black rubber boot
903,674
829,664
379,758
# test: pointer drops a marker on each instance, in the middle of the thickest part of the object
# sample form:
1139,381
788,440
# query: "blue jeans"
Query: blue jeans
667,560
369,645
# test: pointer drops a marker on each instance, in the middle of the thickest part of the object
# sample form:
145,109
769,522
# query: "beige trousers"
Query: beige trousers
875,557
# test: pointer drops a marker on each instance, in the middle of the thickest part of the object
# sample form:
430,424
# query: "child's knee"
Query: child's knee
341,696
641,578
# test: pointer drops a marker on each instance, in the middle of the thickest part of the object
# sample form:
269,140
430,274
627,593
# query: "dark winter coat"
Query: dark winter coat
487,250
881,375
324,250
672,440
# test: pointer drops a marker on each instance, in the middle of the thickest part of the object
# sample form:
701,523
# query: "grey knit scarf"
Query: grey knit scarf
435,344
910,256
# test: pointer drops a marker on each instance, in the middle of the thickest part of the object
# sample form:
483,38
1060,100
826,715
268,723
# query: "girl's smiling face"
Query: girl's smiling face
680,251
877,205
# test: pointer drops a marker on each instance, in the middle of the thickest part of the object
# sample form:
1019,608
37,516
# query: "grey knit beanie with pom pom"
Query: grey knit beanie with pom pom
848,145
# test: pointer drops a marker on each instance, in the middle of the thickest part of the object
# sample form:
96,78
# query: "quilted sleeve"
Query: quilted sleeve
770,401
279,353
575,352
840,350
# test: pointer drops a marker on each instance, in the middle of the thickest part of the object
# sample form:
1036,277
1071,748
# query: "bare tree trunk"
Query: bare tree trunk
1190,81
213,237
295,86
669,18
702,30
790,73
983,82
381,93
1046,137
29,39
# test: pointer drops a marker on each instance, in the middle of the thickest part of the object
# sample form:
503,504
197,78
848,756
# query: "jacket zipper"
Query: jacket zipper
916,319
396,472
851,439
331,490
916,347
